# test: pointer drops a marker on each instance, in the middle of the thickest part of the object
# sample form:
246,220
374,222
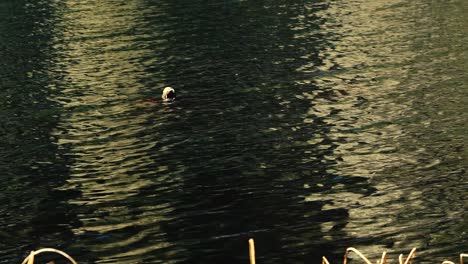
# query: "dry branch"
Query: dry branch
30,258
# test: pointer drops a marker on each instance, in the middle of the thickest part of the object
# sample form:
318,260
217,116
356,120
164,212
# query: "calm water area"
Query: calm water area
308,125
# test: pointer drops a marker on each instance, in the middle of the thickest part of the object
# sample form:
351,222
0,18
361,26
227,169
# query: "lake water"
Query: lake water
310,126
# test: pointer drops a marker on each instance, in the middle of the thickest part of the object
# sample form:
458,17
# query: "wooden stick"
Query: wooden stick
252,251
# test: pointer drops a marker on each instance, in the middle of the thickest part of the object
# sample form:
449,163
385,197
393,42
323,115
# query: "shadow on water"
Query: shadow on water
240,149
33,213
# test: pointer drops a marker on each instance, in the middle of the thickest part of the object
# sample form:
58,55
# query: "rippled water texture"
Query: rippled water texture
309,125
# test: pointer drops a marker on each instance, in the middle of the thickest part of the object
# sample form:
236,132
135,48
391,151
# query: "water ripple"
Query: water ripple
309,126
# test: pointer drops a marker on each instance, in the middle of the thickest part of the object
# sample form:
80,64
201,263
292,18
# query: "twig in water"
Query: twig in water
462,255
410,256
383,260
345,260
252,251
30,258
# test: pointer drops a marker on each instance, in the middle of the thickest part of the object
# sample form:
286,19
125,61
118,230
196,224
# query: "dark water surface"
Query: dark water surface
310,126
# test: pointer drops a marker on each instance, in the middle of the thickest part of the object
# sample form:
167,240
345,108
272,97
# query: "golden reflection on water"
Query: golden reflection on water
99,108
353,96
368,94
106,139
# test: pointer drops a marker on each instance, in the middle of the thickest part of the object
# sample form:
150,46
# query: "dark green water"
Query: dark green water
310,126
